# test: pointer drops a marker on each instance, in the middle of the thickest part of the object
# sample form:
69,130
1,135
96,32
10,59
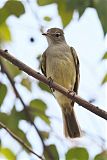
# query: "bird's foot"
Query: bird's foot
50,80
71,92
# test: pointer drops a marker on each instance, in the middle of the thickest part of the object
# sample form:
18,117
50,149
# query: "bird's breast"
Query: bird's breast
60,67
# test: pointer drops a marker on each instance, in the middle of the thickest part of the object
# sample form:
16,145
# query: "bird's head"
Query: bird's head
54,36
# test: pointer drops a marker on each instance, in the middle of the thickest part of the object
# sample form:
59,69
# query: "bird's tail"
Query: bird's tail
71,127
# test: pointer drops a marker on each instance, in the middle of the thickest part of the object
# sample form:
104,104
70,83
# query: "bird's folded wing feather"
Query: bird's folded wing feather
43,63
76,61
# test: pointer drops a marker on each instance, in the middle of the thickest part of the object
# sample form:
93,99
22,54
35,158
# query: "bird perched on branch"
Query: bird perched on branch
61,64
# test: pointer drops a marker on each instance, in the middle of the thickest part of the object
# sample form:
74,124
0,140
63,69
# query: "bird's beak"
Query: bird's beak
44,34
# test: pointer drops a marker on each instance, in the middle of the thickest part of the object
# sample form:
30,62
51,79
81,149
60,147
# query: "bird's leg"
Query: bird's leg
71,92
50,80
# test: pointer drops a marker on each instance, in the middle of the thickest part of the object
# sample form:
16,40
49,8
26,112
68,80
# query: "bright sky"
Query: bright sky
86,36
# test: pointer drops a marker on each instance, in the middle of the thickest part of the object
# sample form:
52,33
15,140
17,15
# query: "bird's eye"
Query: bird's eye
57,34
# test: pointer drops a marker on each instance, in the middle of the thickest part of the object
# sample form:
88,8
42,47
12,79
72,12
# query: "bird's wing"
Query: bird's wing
43,63
43,66
76,61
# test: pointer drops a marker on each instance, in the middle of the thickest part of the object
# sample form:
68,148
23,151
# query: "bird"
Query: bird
60,63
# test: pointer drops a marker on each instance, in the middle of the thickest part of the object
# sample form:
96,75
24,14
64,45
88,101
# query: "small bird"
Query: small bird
61,64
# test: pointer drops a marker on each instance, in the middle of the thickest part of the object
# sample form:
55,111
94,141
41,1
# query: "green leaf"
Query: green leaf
44,87
12,121
3,15
101,156
7,153
44,2
104,56
65,12
4,33
44,134
81,6
53,153
101,7
3,92
104,79
38,104
45,118
4,118
26,83
11,8
15,117
12,69
47,18
15,7
78,5
77,153
39,108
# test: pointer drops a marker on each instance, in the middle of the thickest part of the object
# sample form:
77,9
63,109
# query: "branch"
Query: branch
19,140
61,89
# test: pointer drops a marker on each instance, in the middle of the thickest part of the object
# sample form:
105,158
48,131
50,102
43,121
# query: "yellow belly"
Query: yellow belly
62,71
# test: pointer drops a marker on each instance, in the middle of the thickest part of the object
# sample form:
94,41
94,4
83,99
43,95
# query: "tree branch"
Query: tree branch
61,89
19,140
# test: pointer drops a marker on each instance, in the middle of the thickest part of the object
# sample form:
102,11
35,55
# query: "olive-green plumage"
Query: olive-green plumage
60,62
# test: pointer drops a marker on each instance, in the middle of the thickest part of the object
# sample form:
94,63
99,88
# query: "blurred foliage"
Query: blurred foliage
3,90
104,56
105,76
44,134
77,154
101,7
12,122
26,83
104,79
7,153
53,152
5,34
12,70
47,18
44,87
101,156
11,7
37,107
67,8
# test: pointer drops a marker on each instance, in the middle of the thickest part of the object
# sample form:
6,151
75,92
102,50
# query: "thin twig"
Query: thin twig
19,140
61,89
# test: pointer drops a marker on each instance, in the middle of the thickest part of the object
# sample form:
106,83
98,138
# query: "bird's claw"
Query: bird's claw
50,80
72,93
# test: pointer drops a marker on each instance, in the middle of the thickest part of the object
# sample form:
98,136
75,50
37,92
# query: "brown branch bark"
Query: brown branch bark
71,95
19,140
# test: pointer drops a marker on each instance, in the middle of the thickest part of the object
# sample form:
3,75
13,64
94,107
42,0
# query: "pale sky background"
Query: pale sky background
86,36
